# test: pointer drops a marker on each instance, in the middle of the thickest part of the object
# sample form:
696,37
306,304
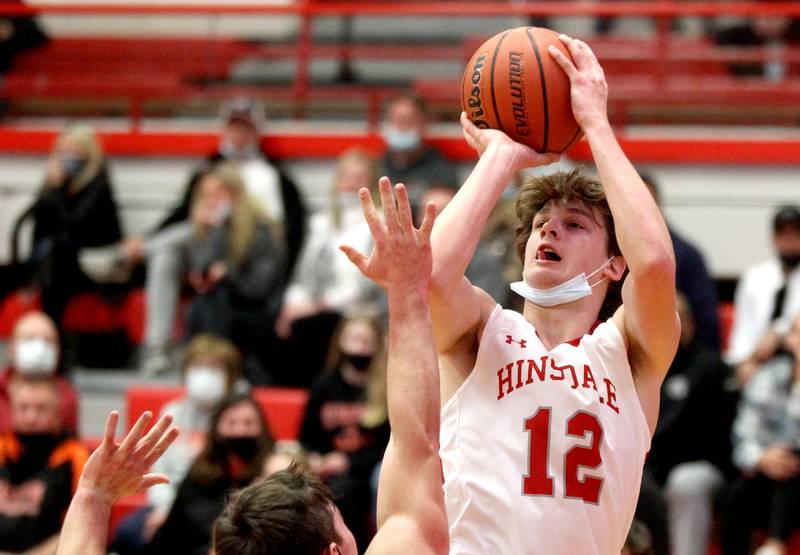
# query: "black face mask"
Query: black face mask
359,362
37,448
245,447
790,260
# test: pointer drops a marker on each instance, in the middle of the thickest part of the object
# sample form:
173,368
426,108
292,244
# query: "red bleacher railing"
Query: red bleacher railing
660,51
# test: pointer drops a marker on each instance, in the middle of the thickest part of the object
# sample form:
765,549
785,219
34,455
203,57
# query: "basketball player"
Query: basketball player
547,415
293,511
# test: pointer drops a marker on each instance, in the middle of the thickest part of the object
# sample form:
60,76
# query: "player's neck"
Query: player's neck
559,324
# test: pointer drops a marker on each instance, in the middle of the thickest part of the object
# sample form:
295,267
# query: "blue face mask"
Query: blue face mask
72,166
571,290
400,140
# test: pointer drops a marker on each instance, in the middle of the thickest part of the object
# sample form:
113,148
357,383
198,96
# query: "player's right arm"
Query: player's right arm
458,308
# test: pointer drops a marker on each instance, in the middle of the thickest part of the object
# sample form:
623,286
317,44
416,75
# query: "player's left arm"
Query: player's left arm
112,471
648,318
411,513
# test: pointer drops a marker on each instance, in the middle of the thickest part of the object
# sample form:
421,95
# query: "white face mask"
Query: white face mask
205,386
571,290
35,357
401,140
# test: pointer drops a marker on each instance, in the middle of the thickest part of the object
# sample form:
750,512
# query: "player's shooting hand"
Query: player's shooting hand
519,155
401,254
115,470
588,87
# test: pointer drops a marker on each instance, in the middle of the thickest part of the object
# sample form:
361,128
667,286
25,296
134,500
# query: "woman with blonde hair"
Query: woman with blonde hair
75,209
234,263
325,285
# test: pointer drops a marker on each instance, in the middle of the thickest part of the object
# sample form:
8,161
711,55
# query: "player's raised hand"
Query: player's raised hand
115,470
401,254
588,87
520,156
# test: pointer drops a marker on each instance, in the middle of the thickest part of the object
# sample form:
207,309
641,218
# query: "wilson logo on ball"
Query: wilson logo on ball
514,85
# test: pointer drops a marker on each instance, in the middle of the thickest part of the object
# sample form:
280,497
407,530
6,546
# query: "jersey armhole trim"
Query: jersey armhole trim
494,315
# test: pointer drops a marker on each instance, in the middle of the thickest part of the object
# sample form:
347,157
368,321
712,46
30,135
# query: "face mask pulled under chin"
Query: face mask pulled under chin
567,292
35,357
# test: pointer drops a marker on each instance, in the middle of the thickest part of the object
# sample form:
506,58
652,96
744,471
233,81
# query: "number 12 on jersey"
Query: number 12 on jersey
539,481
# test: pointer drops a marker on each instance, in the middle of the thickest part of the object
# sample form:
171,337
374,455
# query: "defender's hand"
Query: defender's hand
401,254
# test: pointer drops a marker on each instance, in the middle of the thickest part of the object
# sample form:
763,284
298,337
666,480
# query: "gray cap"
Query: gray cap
243,109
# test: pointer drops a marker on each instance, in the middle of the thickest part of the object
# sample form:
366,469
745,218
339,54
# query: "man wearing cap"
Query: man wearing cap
34,354
271,188
767,298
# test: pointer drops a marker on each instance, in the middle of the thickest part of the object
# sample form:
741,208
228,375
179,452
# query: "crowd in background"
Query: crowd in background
266,297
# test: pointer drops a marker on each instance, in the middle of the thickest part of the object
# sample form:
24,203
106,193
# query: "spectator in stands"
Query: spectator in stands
345,427
34,354
237,445
39,467
210,369
772,32
272,189
285,455
325,284
766,437
767,298
234,263
18,34
408,158
74,210
691,451
693,281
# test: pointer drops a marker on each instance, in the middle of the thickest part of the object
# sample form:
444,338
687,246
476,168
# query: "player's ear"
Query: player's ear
615,268
333,549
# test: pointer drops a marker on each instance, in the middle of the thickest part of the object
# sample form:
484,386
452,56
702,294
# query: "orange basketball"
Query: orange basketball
513,84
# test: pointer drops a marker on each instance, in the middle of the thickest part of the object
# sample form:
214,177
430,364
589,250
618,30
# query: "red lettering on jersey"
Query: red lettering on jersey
588,377
504,378
611,395
560,369
540,370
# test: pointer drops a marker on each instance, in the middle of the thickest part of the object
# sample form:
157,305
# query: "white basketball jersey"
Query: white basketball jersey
542,451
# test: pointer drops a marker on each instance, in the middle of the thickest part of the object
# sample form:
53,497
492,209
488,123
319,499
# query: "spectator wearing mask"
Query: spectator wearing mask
325,284
408,158
767,298
74,210
275,194
345,429
39,467
235,450
691,451
234,263
34,353
210,369
766,441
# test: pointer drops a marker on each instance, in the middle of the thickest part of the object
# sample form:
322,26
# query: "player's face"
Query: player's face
566,239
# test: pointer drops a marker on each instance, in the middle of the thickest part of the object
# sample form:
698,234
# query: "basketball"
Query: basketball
513,84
